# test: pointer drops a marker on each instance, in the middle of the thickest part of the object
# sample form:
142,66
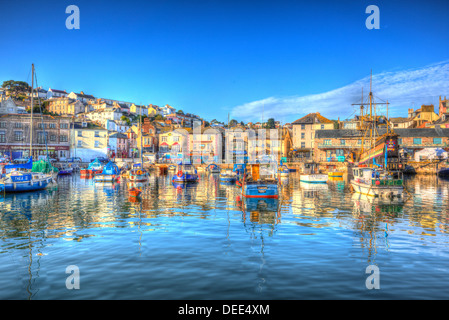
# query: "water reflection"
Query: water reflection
252,248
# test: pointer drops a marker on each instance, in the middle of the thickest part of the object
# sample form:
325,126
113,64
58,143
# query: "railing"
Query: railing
339,146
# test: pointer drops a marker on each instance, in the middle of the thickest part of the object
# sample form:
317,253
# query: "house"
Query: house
89,141
53,93
400,122
50,134
7,105
116,126
304,132
118,144
85,98
443,106
154,110
423,115
65,106
102,116
174,144
138,110
167,109
206,144
40,93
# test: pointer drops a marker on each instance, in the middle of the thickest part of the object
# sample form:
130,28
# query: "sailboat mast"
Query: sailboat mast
140,130
32,106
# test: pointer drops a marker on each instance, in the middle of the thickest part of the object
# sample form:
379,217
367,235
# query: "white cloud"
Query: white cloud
403,89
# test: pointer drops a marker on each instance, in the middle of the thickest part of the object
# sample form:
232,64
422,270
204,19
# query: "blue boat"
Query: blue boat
213,168
110,173
239,169
444,172
19,178
185,173
261,182
228,176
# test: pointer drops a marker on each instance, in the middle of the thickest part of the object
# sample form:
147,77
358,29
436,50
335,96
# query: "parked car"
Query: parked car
101,159
74,159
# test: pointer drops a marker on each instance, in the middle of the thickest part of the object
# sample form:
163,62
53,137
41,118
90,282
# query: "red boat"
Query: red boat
134,192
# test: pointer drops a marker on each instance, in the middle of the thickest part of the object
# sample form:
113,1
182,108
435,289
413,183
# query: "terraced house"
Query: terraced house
65,106
50,134
88,141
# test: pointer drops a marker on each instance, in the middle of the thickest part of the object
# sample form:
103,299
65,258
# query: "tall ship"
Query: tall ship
377,167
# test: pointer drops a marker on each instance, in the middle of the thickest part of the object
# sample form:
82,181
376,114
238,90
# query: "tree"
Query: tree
159,117
180,112
270,124
16,86
233,123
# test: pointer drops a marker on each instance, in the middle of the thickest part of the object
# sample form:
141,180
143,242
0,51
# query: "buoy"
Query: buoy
179,174
377,182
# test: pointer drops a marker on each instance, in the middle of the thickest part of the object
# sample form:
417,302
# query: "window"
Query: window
97,134
63,138
80,143
18,125
416,140
52,125
18,135
437,141
41,137
175,139
303,145
164,139
303,135
53,137
2,124
42,126
97,144
322,127
80,133
327,142
342,142
303,127
359,141
399,140
2,137
64,126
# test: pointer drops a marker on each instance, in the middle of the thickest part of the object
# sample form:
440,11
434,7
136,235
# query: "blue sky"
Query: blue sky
239,57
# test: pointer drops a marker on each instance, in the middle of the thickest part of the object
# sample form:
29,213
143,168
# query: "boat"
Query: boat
378,170
94,168
65,171
377,183
283,171
261,181
443,172
185,173
311,174
26,176
110,173
134,192
239,169
172,168
213,168
335,174
20,178
137,174
228,176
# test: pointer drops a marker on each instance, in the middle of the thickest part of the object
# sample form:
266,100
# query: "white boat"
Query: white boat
313,178
377,183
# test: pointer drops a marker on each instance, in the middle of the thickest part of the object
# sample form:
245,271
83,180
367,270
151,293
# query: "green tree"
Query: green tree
16,87
233,123
180,112
159,117
270,124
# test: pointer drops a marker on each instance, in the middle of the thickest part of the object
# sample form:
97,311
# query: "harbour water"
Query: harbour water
202,242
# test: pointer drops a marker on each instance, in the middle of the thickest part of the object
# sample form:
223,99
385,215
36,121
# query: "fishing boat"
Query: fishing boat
95,167
228,176
311,174
261,181
239,169
213,168
185,173
137,174
110,173
377,183
66,170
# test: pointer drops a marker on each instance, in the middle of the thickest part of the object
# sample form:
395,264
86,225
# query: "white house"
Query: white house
167,109
85,98
53,93
7,105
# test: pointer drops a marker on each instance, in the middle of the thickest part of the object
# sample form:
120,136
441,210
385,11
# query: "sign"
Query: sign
391,145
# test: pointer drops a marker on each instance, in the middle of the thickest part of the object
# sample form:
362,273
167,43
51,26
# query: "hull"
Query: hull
65,172
377,191
260,191
25,186
105,178
444,172
335,174
185,178
313,178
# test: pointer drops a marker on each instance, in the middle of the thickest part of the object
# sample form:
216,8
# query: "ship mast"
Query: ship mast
32,105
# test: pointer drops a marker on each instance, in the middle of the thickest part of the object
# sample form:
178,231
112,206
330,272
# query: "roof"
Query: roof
118,135
348,133
58,91
399,120
312,118
88,96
